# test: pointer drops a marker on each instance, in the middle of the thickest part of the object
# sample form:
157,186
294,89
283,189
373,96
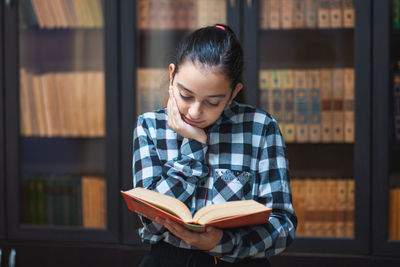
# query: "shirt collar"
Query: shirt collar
227,114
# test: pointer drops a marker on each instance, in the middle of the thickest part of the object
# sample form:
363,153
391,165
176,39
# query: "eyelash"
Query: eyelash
187,98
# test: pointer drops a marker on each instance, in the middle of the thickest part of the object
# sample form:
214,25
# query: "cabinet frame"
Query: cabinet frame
382,88
11,58
2,132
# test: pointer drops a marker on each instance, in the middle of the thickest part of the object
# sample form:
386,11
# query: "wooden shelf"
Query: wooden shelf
61,49
315,48
52,156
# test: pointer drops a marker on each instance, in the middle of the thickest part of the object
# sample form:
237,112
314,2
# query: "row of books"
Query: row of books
396,104
314,105
151,93
394,213
179,14
64,201
324,206
396,14
301,14
62,13
62,104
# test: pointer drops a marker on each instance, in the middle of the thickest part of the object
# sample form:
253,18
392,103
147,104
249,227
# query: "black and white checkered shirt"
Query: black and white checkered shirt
244,158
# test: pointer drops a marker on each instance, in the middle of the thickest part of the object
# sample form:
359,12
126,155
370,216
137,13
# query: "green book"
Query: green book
396,14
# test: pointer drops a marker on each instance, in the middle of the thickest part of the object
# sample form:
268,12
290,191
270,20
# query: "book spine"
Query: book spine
310,215
299,14
264,93
311,14
326,105
340,207
315,109
277,98
349,226
348,105
335,13
393,210
323,14
396,14
348,13
330,216
287,14
320,197
273,14
289,125
398,212
338,112
301,106
264,14
396,107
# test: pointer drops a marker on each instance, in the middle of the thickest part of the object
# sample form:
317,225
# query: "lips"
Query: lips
191,122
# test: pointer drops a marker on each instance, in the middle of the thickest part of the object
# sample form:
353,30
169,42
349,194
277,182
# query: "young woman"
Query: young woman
206,148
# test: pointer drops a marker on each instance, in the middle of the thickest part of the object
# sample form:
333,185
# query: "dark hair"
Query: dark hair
213,46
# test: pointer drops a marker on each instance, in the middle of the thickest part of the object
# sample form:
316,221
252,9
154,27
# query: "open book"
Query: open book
230,214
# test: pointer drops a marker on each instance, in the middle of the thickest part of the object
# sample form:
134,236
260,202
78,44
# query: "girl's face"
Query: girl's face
201,93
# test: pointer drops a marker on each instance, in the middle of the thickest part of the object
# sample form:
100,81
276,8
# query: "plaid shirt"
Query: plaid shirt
244,158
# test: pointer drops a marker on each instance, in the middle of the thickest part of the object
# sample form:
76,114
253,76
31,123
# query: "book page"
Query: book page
227,209
167,203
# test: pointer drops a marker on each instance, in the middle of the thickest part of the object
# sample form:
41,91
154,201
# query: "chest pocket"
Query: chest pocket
231,185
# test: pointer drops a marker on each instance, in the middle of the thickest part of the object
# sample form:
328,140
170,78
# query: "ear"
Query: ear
171,73
237,89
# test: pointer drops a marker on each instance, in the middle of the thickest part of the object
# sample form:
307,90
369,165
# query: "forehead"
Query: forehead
200,78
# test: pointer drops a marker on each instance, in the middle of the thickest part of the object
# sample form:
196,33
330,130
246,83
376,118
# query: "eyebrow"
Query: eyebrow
186,89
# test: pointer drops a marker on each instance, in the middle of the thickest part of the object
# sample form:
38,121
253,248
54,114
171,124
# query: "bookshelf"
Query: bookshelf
313,159
61,151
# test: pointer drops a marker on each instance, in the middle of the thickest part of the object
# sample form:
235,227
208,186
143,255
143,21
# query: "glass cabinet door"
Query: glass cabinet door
60,169
307,80
160,25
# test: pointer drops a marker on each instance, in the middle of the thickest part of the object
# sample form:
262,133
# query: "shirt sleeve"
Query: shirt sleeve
177,177
274,191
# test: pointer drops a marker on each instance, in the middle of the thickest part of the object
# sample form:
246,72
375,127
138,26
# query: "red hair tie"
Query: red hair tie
220,27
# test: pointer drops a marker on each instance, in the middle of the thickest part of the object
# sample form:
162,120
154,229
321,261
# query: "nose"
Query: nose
195,111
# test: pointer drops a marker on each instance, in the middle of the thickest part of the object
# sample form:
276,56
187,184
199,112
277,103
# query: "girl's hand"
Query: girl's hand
176,122
204,241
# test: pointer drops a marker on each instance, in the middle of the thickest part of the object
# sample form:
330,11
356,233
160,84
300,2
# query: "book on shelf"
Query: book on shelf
326,106
396,106
348,105
323,14
62,14
314,84
302,106
325,206
394,214
320,100
94,202
289,116
299,14
335,13
306,14
273,14
311,11
338,100
151,205
348,13
59,104
396,14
